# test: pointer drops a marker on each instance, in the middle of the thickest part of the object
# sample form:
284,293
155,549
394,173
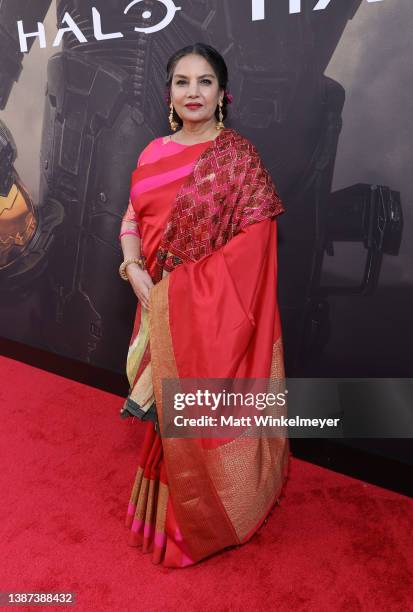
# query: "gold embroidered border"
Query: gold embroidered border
137,348
142,393
249,472
142,500
199,511
136,485
161,507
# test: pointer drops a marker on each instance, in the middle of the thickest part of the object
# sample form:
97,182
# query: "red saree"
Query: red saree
206,216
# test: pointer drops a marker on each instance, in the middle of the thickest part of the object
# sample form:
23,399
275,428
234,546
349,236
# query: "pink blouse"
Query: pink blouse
161,170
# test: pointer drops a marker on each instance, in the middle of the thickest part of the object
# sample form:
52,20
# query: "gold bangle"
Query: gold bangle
122,268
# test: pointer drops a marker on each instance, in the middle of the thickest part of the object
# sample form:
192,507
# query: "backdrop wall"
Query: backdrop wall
323,94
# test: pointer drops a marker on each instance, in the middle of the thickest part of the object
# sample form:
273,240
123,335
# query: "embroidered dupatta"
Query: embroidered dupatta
214,313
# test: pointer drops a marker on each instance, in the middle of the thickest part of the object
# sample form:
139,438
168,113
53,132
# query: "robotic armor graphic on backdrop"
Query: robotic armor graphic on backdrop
104,102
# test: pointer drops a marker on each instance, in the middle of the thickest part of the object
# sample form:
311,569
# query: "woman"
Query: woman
199,239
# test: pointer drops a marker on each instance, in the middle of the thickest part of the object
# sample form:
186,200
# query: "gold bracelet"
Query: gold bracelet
122,268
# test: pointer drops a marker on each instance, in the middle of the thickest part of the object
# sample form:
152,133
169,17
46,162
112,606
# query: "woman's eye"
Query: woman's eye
203,81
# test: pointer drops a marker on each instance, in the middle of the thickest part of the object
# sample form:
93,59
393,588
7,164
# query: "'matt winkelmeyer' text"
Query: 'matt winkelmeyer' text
258,13
257,420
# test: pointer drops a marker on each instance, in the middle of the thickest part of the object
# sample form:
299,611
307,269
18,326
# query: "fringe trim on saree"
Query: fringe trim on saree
147,513
150,516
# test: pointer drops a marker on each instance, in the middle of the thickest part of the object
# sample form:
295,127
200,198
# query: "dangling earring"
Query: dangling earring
174,125
220,125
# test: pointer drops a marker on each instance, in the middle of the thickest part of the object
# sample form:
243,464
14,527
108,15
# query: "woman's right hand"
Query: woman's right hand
141,283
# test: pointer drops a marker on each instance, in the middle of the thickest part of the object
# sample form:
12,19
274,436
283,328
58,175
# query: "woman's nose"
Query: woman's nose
193,89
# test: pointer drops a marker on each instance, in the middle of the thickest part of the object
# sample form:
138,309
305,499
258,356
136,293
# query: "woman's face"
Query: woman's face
194,81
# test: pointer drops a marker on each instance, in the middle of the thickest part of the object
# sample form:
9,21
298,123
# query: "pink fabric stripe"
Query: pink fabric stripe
147,530
158,180
160,539
157,149
131,508
136,525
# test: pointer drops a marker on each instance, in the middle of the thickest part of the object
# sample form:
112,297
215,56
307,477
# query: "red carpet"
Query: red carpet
68,462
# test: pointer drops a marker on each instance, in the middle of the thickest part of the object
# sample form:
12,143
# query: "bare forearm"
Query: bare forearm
131,246
129,237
